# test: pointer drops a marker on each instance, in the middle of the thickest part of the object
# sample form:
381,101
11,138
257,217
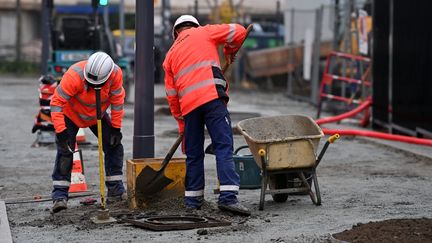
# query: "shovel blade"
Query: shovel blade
150,181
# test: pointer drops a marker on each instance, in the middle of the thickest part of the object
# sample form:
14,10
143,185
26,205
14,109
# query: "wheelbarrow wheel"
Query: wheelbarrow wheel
279,182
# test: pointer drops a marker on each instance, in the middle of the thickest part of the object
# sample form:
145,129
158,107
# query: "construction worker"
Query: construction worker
197,94
73,106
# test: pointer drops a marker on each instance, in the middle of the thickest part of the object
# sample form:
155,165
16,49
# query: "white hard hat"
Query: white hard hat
183,19
98,68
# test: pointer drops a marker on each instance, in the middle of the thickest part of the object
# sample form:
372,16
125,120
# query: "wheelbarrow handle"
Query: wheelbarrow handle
240,148
330,140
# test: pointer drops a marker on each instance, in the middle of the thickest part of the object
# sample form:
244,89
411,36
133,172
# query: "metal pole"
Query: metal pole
336,26
45,36
166,14
316,55
106,16
196,9
122,23
390,74
291,52
278,21
18,32
143,139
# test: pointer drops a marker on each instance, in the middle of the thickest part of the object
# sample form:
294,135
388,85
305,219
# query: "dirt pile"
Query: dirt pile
393,230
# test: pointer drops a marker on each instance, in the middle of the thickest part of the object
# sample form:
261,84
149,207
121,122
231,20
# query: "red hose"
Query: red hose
345,115
381,135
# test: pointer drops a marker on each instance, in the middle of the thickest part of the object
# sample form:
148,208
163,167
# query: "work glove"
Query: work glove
116,137
63,140
181,124
229,54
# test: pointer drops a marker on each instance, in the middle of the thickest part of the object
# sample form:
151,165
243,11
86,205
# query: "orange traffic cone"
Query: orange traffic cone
78,183
80,137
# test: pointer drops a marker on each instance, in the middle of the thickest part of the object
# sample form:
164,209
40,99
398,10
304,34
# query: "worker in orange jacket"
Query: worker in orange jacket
73,106
197,94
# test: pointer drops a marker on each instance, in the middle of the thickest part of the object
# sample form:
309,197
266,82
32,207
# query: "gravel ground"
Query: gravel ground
360,181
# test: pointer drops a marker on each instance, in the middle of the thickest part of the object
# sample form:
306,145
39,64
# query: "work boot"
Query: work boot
119,198
235,208
59,205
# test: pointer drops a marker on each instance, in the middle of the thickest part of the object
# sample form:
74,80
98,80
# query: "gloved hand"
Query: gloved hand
63,140
229,54
181,125
116,137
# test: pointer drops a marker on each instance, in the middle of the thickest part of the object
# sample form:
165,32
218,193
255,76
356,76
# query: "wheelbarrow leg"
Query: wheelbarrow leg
263,179
311,193
317,190
263,189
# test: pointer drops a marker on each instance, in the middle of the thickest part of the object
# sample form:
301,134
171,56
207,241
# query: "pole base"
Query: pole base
103,217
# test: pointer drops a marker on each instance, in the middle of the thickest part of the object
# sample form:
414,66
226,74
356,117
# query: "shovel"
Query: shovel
154,181
103,215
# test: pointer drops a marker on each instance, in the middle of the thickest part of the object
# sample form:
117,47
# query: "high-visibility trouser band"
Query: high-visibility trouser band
62,93
199,193
202,84
114,178
194,67
228,188
56,109
231,33
61,183
171,92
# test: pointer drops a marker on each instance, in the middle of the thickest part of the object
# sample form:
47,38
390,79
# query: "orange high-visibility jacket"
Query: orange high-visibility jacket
193,74
77,101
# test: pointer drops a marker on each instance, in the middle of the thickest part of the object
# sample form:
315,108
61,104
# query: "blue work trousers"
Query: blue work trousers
214,115
113,162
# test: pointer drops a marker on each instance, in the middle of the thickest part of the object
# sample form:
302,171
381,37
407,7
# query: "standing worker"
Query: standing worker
197,94
73,106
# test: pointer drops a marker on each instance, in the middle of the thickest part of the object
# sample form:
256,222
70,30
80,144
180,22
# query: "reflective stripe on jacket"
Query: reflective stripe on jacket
77,101
192,68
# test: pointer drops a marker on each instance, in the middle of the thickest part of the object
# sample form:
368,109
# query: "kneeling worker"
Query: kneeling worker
73,106
197,94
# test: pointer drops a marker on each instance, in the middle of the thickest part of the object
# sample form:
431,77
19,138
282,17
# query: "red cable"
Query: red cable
381,135
345,115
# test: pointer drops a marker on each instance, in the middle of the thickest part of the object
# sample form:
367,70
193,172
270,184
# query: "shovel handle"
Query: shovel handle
248,30
99,135
171,152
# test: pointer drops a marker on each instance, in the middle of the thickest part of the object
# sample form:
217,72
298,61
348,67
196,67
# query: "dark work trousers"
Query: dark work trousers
113,162
214,115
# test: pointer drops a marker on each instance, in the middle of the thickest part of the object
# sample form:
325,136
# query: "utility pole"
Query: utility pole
143,139
196,9
316,55
46,8
122,23
336,26
166,15
18,32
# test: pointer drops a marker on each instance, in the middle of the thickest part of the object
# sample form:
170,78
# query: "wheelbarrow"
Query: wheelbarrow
283,146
